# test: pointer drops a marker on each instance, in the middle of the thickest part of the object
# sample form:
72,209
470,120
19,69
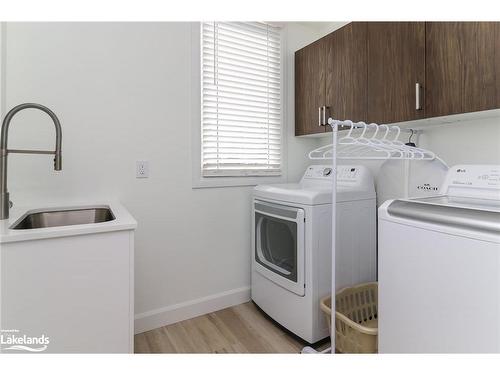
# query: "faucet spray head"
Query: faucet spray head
58,161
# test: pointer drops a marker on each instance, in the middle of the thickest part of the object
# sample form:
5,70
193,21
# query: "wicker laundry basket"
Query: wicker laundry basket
356,323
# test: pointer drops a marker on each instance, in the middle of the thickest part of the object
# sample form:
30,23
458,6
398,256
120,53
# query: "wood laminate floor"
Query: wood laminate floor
238,329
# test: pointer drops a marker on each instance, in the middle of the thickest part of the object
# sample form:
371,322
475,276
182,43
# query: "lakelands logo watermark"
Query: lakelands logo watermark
13,340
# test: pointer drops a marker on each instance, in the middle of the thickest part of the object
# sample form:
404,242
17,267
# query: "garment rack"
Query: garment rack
379,145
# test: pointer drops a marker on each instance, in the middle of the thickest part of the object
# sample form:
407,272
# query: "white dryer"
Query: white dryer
291,242
439,267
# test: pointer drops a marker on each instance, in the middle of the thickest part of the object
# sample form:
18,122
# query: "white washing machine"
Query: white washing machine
291,242
439,267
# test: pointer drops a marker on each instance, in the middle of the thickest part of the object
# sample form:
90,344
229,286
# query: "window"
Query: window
241,99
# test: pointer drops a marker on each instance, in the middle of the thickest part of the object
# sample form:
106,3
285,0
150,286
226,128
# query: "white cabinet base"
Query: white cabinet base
77,291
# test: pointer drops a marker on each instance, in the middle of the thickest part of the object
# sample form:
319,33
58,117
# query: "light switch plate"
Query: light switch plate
142,169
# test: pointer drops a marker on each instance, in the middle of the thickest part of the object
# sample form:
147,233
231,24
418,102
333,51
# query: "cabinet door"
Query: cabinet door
462,67
396,63
346,76
309,87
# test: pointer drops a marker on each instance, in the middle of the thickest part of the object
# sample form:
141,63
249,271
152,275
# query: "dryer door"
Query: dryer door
279,244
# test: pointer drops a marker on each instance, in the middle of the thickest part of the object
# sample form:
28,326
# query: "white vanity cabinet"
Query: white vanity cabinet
72,285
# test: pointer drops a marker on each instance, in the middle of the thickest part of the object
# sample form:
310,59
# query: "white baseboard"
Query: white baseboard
149,320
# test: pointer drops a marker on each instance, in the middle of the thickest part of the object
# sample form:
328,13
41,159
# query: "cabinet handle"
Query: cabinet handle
319,115
418,105
325,108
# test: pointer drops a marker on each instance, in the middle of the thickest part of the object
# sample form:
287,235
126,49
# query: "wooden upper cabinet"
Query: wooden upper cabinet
369,71
310,70
346,75
462,67
396,63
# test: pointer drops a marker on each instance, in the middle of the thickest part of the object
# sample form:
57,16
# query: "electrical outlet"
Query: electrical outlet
141,169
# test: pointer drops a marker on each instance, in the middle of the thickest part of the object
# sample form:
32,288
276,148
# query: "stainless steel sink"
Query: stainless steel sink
64,217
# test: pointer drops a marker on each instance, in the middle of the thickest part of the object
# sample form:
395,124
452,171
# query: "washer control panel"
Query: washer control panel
474,181
474,175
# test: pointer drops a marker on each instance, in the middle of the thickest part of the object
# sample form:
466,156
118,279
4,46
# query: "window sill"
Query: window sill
217,182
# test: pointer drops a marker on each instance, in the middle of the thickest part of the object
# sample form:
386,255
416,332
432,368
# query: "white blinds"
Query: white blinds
241,99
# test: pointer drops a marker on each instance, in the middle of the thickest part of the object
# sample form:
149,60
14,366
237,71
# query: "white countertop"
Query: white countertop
123,221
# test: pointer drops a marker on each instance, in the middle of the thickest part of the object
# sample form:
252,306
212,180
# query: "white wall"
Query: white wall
2,68
122,93
466,142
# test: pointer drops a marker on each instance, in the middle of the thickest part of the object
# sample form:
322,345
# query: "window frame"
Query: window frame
198,180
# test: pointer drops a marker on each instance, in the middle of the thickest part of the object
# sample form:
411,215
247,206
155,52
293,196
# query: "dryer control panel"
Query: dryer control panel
345,173
318,171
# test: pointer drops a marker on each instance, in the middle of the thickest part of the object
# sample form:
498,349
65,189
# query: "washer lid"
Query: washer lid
443,210
461,202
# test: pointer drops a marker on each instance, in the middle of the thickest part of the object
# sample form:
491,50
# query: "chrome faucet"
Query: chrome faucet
5,203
